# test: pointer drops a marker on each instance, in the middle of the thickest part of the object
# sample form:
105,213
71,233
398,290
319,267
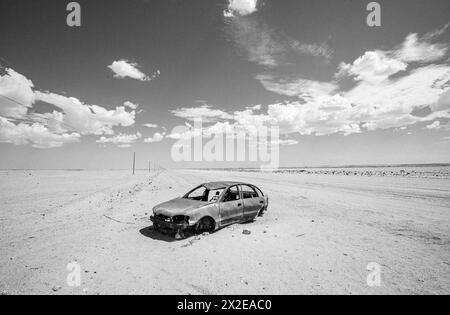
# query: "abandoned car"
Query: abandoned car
210,207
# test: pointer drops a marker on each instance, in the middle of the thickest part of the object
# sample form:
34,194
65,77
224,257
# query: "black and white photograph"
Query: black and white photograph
224,152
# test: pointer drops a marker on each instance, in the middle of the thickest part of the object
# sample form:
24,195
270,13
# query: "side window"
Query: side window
231,195
214,195
248,192
260,193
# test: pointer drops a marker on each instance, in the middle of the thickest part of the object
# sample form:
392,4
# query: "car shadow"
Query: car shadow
158,236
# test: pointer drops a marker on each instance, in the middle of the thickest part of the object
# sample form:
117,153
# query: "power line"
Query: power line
44,117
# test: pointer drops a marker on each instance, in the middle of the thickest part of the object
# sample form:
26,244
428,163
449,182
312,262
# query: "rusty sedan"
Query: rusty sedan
210,207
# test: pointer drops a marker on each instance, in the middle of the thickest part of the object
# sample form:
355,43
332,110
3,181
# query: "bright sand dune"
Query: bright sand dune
319,235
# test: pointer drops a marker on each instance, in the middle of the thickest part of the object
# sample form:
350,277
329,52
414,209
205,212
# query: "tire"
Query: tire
205,225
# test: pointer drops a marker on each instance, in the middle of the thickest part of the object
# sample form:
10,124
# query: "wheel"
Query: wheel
205,225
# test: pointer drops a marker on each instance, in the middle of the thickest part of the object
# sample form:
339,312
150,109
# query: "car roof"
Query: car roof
220,185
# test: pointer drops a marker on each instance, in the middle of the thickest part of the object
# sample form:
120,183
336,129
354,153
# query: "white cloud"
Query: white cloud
121,140
151,126
296,86
415,49
52,129
266,47
316,50
241,7
390,103
443,103
323,110
204,112
35,134
257,40
157,137
367,106
373,66
434,125
123,69
131,105
17,92
88,119
386,95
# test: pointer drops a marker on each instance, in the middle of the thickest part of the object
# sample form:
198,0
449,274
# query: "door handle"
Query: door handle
239,204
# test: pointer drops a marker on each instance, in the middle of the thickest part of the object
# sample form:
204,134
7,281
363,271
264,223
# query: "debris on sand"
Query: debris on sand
246,232
244,281
108,217
300,235
56,288
192,241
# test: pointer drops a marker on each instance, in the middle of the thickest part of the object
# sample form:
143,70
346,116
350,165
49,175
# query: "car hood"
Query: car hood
178,206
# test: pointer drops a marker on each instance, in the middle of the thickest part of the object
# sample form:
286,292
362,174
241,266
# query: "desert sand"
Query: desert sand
318,236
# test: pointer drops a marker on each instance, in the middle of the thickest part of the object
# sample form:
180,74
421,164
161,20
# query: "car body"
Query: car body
209,207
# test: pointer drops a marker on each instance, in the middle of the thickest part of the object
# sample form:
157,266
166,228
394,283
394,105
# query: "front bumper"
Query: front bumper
168,225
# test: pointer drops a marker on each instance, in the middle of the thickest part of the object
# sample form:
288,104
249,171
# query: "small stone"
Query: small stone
246,232
56,288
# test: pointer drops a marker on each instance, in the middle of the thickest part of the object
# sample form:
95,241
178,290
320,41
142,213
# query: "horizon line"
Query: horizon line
231,168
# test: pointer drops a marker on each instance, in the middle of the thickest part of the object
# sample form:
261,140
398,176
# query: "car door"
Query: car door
252,201
231,206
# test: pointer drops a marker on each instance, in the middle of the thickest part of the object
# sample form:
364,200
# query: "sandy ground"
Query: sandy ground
318,237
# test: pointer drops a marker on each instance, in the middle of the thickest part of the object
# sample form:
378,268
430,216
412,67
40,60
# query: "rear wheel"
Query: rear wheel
205,225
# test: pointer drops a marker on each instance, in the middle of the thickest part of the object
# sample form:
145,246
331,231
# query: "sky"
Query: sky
341,92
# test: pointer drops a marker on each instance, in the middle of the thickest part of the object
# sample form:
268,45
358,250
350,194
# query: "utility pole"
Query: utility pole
134,162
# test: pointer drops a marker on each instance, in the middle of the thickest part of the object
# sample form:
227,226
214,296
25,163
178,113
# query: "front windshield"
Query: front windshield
203,194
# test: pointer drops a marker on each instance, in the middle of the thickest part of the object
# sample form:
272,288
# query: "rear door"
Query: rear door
252,200
231,206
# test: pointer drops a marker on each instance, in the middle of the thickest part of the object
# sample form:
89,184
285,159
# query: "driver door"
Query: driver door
231,206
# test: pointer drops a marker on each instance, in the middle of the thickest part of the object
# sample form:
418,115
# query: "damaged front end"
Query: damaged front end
170,225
